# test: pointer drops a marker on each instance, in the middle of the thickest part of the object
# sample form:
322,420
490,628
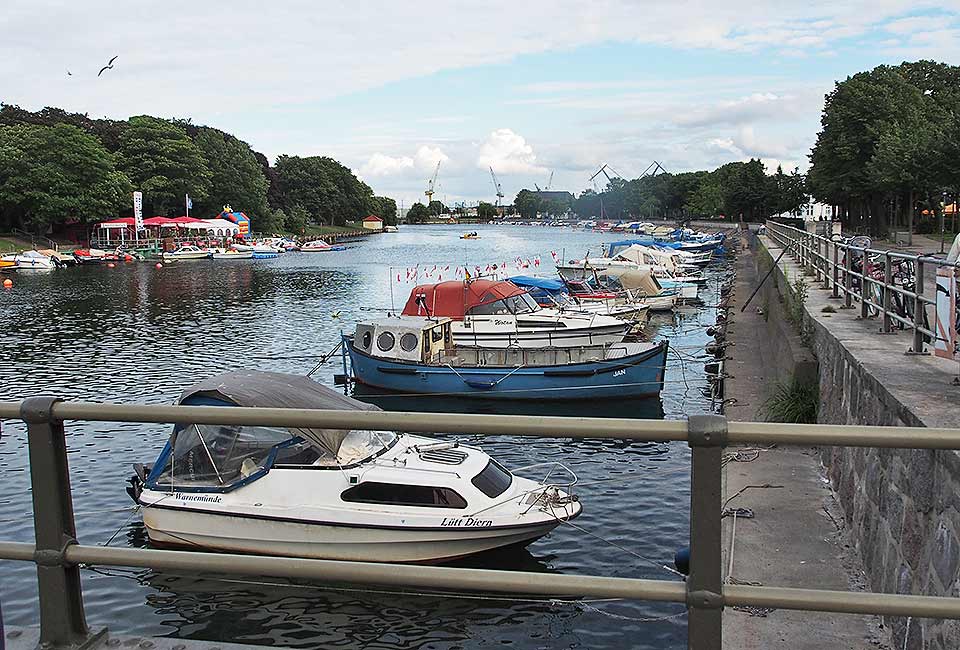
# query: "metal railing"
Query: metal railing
58,555
833,264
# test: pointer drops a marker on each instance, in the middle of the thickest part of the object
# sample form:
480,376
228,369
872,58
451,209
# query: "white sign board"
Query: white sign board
945,344
138,210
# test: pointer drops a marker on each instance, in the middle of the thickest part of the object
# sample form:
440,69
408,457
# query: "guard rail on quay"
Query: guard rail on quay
832,264
58,555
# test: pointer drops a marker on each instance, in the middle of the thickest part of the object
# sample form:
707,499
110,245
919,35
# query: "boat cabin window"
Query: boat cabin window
396,494
386,341
408,342
520,304
493,480
218,456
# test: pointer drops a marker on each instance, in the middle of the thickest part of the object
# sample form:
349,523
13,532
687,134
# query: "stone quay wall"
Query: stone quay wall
901,506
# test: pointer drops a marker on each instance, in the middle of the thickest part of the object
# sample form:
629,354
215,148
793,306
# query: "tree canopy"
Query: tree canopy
165,160
737,189
51,174
888,144
236,176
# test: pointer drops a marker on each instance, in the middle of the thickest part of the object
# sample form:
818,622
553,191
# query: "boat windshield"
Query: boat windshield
522,303
221,457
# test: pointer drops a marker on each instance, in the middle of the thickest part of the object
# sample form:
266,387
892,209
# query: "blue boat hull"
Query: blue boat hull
639,375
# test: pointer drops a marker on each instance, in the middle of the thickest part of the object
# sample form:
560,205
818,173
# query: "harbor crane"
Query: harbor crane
653,169
546,188
496,186
430,185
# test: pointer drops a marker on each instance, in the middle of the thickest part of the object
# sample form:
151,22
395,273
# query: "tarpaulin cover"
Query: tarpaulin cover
455,298
278,390
550,284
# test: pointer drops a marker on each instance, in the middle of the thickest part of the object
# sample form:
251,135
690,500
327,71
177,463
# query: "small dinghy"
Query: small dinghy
372,496
417,355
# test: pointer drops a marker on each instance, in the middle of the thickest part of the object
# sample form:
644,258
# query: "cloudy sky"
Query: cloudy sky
390,88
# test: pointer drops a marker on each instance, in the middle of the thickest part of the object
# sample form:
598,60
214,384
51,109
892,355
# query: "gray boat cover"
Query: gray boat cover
278,390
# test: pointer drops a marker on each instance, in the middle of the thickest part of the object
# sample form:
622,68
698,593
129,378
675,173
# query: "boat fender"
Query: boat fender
681,560
711,331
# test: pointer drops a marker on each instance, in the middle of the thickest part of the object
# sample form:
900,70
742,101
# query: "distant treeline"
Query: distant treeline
58,167
735,190
889,146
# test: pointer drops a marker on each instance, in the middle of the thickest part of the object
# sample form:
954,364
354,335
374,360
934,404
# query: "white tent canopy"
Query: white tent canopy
220,227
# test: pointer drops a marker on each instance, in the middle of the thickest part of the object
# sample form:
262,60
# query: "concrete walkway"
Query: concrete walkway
794,539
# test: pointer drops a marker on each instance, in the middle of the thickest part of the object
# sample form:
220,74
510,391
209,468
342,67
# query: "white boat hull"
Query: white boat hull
234,256
227,533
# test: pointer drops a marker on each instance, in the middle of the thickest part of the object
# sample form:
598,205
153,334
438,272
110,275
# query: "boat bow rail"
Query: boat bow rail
58,554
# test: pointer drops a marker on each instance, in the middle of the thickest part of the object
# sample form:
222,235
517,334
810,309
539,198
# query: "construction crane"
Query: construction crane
549,182
496,186
430,185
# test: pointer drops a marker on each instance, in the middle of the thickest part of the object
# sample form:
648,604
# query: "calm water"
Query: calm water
137,334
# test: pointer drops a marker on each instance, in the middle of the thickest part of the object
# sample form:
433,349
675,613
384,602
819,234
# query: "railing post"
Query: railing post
707,438
836,270
864,288
887,279
818,259
847,278
62,621
919,308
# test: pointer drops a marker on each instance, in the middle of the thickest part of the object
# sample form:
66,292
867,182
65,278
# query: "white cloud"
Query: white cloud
508,153
425,159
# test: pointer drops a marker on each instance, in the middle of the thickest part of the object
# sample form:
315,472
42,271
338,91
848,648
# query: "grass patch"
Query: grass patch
794,401
314,229
14,245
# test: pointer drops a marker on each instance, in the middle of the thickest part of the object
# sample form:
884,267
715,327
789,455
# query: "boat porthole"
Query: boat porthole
408,342
367,337
386,341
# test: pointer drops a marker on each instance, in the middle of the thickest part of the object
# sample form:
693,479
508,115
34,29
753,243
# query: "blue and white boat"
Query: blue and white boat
412,354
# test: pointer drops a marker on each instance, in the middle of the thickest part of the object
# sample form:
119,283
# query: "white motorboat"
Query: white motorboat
231,254
187,252
31,261
373,496
499,314
320,246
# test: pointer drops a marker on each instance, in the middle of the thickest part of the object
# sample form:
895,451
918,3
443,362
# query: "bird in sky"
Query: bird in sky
109,65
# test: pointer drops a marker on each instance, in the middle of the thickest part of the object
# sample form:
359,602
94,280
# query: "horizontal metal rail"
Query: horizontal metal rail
512,425
831,263
59,556
488,580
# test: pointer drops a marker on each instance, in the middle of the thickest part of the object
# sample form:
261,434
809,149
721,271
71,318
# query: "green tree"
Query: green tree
236,176
528,204
327,190
486,210
296,221
163,162
418,213
386,209
271,222
51,174
706,200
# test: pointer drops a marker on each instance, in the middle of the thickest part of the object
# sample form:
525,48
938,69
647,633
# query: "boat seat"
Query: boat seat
248,467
